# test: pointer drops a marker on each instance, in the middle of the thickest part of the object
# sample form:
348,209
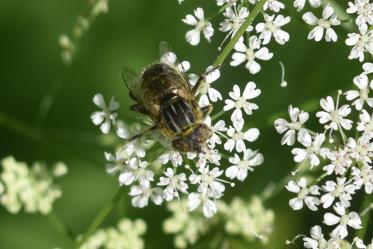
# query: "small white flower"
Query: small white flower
249,54
312,150
141,194
217,129
299,4
208,206
201,25
174,183
206,92
366,122
364,11
234,19
107,116
317,240
239,101
362,149
343,220
360,43
297,119
136,171
240,167
332,116
325,23
368,67
363,176
272,27
173,156
273,5
208,181
339,189
340,162
237,138
362,95
304,194
229,2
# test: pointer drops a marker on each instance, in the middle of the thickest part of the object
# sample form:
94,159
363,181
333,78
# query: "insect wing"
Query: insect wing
131,79
168,56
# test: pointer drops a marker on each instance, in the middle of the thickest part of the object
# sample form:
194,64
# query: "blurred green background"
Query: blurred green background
129,34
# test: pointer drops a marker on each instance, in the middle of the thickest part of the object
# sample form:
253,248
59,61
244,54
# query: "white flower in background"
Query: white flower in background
342,220
360,43
171,156
208,205
174,183
116,163
366,122
239,101
186,227
340,162
233,20
249,54
250,220
363,177
317,240
31,188
237,138
127,235
272,27
297,119
325,23
273,5
299,4
333,116
201,25
339,189
360,96
312,150
141,194
107,116
240,167
304,194
364,11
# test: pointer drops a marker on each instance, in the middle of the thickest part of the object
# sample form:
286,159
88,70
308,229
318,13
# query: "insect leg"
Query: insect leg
202,79
144,133
139,108
206,110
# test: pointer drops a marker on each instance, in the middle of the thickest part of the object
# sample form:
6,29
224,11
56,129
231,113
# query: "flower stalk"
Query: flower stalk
229,47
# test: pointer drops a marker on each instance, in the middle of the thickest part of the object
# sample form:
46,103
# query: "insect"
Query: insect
163,92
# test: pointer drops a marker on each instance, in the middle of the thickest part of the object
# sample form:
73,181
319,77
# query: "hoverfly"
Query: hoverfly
163,92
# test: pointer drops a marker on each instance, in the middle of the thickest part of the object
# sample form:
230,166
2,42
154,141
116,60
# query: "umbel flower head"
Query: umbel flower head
29,188
127,235
154,171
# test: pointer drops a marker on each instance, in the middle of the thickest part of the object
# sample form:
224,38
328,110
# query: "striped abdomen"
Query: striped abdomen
177,114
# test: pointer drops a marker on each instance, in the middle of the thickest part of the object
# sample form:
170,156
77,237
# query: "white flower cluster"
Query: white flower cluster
29,188
361,42
248,219
155,171
248,51
127,235
345,158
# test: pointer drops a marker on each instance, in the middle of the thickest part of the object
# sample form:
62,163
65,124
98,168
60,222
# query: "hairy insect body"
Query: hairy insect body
163,93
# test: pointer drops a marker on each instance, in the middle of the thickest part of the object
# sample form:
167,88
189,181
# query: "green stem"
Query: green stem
228,48
60,226
366,204
102,215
